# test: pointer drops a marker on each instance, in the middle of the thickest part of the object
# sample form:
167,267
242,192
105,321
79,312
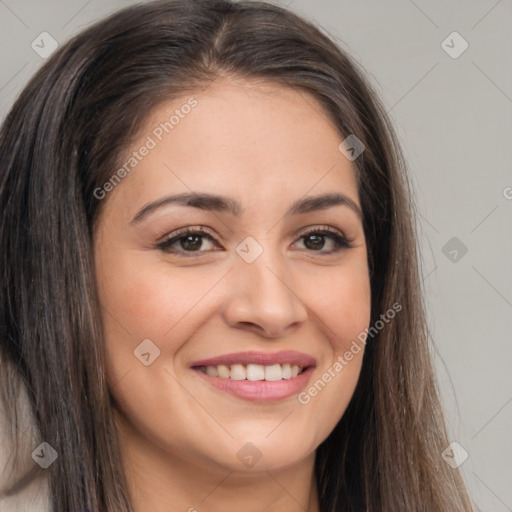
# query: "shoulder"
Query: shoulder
34,496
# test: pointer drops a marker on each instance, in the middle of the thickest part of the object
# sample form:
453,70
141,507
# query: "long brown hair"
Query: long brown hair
62,140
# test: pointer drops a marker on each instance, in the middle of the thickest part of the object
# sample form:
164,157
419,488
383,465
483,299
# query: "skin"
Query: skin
265,146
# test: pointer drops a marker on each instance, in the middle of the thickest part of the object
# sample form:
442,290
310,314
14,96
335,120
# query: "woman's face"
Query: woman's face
194,322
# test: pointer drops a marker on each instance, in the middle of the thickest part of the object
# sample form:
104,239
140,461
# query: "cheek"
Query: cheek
341,299
350,319
343,308
149,298
146,299
350,309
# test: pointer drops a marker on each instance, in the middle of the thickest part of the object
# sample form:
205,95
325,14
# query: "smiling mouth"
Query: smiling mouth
253,372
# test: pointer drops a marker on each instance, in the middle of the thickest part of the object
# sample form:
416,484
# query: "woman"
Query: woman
210,290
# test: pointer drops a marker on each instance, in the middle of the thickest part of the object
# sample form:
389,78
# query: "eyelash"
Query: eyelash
340,241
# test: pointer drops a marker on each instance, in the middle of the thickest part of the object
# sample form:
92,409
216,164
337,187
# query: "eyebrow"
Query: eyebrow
212,202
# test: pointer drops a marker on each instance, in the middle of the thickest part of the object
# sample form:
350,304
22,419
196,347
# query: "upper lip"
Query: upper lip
263,358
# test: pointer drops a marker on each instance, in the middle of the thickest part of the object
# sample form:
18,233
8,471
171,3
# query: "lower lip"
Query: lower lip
260,390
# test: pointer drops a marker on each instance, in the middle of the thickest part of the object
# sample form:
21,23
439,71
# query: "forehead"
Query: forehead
252,140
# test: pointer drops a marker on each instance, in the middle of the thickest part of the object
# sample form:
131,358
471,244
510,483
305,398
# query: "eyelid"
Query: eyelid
183,231
313,228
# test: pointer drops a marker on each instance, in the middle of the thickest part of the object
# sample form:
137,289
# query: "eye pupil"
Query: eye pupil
318,241
193,246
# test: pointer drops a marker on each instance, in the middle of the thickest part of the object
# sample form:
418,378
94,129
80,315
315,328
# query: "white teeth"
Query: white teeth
223,371
212,371
253,372
238,372
273,372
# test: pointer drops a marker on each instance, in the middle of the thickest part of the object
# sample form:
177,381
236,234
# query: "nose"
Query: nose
262,298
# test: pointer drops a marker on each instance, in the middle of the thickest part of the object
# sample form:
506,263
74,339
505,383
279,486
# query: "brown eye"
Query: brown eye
191,242
315,240
186,241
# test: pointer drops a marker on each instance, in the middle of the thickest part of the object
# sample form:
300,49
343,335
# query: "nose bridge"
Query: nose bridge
263,292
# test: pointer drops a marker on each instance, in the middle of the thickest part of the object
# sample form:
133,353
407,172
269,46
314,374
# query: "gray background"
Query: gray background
454,118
